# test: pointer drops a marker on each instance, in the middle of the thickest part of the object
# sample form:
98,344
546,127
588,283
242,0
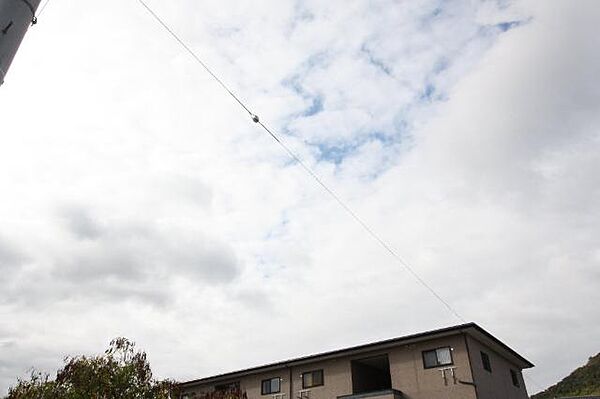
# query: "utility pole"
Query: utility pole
15,18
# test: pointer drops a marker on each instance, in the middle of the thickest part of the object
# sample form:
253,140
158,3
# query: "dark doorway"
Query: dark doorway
371,374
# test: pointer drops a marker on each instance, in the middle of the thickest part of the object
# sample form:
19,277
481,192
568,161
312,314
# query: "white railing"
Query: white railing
304,394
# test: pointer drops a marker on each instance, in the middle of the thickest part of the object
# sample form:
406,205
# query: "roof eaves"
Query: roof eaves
358,348
527,364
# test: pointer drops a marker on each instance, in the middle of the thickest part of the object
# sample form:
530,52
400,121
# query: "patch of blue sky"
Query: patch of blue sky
316,101
295,83
315,107
385,139
506,26
336,153
377,63
501,27
434,13
428,93
321,58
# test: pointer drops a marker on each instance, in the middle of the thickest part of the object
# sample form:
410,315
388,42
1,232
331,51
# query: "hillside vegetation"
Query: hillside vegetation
583,381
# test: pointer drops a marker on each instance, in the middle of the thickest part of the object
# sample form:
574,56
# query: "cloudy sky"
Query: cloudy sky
139,200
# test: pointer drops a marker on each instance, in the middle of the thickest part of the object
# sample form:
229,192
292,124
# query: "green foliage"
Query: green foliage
122,372
583,381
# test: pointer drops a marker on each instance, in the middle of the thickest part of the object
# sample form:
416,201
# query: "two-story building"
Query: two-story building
460,362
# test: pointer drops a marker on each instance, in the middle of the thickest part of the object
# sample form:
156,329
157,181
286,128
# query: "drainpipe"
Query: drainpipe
15,18
470,358
290,382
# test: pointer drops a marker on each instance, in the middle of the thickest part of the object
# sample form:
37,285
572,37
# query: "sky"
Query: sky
139,200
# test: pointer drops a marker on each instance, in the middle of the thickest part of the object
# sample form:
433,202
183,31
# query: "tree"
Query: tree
121,372
583,381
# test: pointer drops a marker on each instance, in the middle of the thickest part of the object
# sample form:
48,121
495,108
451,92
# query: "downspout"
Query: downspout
290,383
470,366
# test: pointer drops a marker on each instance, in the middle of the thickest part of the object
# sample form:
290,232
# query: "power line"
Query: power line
43,8
359,220
297,158
193,54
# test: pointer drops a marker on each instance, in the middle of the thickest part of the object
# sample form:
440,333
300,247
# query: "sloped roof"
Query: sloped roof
469,328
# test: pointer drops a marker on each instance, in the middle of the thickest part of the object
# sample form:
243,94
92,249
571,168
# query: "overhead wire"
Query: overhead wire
195,56
362,223
304,166
42,8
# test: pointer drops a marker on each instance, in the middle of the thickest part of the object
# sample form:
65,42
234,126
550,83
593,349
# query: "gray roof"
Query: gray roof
469,328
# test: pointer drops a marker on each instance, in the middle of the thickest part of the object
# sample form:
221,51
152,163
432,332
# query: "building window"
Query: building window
272,385
312,379
485,360
437,357
515,378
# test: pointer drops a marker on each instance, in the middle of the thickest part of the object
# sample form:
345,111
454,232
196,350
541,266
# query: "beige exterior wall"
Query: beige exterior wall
252,384
336,376
416,382
407,371
497,384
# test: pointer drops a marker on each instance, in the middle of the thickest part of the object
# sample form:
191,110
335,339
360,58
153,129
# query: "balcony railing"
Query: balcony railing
383,394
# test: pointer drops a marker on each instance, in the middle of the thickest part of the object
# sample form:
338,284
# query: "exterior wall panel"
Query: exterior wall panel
498,383
336,374
416,382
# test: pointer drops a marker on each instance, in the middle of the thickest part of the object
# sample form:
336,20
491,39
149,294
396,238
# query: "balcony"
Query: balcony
383,394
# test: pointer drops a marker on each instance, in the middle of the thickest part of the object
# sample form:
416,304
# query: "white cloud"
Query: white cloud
138,200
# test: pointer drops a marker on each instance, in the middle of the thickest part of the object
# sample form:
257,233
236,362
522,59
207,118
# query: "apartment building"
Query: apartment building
459,362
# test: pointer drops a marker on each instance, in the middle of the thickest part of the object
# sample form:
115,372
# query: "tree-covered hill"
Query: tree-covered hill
583,381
